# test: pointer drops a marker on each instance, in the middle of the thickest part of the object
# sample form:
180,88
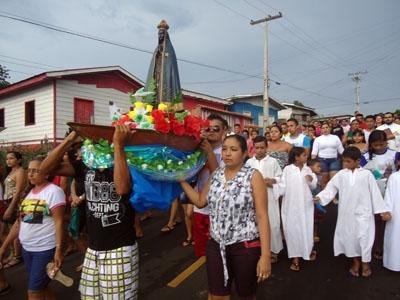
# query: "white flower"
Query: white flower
160,167
144,166
180,162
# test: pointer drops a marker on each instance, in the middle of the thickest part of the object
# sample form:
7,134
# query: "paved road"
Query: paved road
163,258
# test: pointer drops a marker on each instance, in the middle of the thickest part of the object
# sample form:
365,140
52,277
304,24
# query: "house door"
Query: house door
83,111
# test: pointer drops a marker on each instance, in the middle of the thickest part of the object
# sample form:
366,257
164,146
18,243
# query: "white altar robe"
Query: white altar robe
298,210
359,200
269,167
391,246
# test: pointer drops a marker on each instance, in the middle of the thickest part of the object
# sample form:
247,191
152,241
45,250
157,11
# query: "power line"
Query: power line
24,65
297,35
29,61
16,71
220,81
368,102
102,40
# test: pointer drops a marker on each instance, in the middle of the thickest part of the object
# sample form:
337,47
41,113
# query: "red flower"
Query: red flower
193,126
160,122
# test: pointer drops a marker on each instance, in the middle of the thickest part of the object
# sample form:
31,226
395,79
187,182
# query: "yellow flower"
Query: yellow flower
139,104
131,114
162,106
150,119
149,107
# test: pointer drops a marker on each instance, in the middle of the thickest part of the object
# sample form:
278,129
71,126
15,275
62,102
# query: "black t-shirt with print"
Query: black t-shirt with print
109,216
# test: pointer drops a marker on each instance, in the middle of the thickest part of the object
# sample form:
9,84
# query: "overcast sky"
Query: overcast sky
312,49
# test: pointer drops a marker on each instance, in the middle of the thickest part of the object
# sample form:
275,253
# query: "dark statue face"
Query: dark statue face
161,35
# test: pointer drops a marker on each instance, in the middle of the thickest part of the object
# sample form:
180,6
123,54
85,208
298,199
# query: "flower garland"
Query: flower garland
158,162
163,118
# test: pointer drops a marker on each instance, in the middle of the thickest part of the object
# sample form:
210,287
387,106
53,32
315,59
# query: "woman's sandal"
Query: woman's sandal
295,267
353,272
15,260
187,242
168,228
313,255
367,272
58,275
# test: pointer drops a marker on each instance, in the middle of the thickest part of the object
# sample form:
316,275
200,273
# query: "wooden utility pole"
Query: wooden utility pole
266,80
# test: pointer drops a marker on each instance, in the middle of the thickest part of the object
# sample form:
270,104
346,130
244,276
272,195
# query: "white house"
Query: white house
302,114
39,107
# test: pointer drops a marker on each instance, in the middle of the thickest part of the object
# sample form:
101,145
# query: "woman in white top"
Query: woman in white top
326,148
39,227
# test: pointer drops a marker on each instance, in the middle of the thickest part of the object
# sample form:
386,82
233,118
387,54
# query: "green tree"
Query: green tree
298,103
4,75
397,112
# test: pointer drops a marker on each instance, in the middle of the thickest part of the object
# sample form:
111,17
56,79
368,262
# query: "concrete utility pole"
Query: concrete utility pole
356,77
266,80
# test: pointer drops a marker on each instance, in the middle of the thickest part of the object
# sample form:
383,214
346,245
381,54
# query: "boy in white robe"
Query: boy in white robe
297,207
391,244
271,171
360,199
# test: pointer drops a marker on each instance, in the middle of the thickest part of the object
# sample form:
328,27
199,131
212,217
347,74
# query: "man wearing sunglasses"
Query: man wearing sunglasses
214,134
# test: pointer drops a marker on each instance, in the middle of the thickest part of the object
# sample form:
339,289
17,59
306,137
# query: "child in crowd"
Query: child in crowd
380,161
391,245
271,171
360,199
297,206
359,141
319,212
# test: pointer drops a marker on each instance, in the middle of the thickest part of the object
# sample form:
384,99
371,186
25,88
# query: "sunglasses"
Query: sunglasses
33,171
213,129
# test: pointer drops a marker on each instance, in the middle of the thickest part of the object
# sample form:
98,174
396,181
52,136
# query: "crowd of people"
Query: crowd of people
255,196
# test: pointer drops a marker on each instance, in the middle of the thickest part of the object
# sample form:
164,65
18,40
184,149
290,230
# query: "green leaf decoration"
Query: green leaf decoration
178,98
180,116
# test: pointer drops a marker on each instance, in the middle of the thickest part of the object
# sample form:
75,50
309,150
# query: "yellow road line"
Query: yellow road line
186,273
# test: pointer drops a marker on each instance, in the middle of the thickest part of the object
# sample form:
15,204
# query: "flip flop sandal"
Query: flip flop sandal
353,273
15,260
187,242
295,267
313,255
167,228
5,291
58,275
366,272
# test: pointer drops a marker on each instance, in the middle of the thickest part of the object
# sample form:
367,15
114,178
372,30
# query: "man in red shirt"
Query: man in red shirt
360,119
